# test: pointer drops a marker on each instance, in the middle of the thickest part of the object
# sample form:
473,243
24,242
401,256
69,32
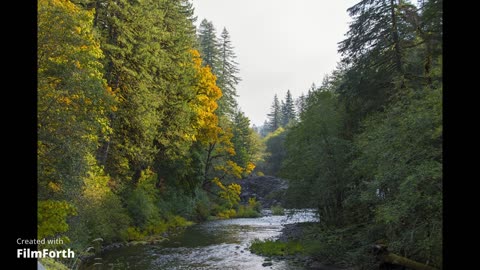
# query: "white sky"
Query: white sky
280,44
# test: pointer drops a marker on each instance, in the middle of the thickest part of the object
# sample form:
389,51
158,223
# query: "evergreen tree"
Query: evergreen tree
264,129
300,104
374,33
283,118
288,109
147,54
428,24
367,148
209,45
245,142
374,57
227,75
241,136
275,115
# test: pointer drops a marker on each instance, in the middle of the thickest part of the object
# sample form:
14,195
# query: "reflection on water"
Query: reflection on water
219,244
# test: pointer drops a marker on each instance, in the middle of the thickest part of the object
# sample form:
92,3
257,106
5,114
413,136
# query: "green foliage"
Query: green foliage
392,177
52,264
219,55
142,209
176,202
276,248
203,206
287,110
105,218
129,138
153,123
73,98
367,150
246,143
251,210
171,224
125,111
100,211
254,204
227,213
275,150
133,234
340,246
405,182
274,121
277,210
52,217
209,45
227,75
317,156
245,211
141,203
229,194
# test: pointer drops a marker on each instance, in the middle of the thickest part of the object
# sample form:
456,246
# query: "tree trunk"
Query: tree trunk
387,257
396,39
208,162
399,260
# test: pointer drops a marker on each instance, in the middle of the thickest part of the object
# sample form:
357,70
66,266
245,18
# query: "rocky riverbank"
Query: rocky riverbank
268,190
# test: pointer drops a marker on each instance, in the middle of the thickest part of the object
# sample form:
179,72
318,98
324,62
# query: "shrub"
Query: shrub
277,210
229,213
246,212
142,209
177,203
276,248
52,217
252,209
133,234
202,205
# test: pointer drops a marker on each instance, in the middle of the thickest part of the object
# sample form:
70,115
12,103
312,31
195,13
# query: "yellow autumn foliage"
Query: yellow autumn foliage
205,102
230,193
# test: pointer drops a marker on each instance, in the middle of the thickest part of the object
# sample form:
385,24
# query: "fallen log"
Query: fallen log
386,256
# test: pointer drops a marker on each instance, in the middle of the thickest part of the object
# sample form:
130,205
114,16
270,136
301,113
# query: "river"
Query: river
219,244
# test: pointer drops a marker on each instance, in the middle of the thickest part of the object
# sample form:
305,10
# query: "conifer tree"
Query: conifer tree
288,109
209,45
275,115
227,75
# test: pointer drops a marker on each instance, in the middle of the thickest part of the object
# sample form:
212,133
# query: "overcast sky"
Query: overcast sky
280,44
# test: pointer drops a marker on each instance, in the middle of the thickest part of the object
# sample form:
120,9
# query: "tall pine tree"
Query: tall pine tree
208,45
275,115
227,75
288,109
148,51
243,141
373,56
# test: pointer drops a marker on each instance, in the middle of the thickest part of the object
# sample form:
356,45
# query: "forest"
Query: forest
365,147
140,133
137,133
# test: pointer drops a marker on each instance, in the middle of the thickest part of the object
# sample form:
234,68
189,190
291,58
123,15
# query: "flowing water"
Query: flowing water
219,244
